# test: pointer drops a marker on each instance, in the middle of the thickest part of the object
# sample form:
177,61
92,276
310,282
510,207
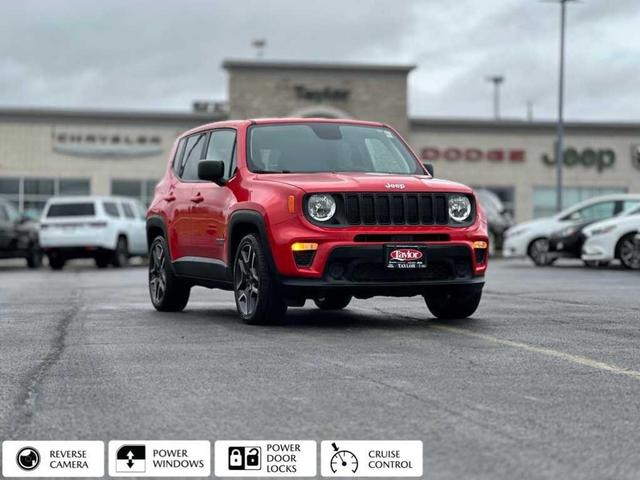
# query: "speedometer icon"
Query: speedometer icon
344,461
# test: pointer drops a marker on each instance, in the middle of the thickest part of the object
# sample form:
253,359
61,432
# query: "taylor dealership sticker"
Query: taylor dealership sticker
52,459
378,458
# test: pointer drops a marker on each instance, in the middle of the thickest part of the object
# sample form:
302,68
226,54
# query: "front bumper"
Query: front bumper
515,247
599,248
360,270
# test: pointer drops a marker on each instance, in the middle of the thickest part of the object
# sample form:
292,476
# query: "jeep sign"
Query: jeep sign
589,158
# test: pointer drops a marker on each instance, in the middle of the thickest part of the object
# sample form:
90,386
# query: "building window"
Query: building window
142,190
29,194
544,198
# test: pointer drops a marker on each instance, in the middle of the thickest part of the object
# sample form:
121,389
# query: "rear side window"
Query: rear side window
71,210
177,160
111,209
128,211
192,156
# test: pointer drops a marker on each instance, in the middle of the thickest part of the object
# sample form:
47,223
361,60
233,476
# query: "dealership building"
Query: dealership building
69,152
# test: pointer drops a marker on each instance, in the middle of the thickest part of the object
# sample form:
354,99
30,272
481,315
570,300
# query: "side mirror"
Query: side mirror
211,170
429,167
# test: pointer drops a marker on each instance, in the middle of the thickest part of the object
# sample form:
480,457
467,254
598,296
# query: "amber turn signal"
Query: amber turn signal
291,204
301,247
480,244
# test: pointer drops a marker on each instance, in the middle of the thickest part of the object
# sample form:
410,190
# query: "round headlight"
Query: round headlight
459,208
321,207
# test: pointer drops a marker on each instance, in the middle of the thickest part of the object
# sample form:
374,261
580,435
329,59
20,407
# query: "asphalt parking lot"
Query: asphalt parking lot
543,382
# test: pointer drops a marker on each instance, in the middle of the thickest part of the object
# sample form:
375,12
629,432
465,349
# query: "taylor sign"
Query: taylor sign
472,154
600,159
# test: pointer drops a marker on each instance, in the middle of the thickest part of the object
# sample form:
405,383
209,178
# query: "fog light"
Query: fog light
480,244
302,247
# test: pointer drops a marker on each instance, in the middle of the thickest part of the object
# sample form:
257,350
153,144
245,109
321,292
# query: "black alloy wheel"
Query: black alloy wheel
256,292
168,293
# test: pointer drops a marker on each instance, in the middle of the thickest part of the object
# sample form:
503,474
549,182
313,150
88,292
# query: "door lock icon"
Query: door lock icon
245,458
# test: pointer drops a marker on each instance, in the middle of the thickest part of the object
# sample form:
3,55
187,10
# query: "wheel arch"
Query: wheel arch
244,222
616,251
535,239
155,227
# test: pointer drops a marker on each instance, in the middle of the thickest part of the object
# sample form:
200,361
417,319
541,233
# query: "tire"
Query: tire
255,289
56,262
538,251
102,261
452,304
34,257
628,253
168,293
333,301
120,256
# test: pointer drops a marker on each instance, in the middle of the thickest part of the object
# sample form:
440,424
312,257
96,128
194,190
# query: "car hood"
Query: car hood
363,182
632,221
543,226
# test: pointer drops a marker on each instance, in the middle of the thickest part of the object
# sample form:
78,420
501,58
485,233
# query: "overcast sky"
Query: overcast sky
161,54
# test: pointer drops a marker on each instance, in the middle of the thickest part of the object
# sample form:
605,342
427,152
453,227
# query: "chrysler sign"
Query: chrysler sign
102,145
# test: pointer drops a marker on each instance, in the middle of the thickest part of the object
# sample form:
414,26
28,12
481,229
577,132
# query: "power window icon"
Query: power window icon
245,458
131,458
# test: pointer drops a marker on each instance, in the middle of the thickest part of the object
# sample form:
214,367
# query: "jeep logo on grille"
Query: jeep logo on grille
400,186
406,254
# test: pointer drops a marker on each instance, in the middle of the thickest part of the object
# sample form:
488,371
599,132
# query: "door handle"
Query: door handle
169,197
197,198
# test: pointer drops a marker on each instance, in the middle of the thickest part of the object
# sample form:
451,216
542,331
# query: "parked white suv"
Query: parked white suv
613,239
107,229
532,238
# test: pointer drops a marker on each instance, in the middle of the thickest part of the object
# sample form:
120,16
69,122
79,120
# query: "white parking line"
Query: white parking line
580,360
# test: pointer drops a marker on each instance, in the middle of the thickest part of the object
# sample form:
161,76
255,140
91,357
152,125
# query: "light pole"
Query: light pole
497,80
560,124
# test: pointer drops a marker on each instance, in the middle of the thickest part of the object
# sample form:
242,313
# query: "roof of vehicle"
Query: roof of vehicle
88,198
280,121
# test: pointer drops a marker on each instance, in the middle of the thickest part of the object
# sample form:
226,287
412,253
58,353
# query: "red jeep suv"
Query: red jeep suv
284,210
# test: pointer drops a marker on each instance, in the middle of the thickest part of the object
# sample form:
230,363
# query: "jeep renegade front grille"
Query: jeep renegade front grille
396,209
392,209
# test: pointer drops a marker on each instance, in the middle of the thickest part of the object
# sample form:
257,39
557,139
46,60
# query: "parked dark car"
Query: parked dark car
498,218
18,236
568,242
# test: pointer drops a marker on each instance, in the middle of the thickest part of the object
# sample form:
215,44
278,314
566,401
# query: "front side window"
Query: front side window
328,147
222,147
597,211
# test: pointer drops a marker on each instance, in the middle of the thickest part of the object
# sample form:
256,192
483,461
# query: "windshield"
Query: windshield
631,211
328,147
